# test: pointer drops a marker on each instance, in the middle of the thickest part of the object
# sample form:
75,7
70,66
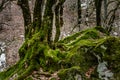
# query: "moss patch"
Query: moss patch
80,49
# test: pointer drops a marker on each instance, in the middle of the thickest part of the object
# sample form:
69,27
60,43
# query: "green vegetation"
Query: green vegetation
75,55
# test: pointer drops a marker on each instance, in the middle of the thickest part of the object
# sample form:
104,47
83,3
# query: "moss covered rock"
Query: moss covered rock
73,73
86,50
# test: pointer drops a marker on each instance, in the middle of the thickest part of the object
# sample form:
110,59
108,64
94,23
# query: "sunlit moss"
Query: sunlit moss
80,51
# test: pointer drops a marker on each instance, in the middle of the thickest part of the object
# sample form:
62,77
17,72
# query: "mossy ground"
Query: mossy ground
71,57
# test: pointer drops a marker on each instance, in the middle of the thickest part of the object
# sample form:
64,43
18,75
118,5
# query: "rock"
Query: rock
2,56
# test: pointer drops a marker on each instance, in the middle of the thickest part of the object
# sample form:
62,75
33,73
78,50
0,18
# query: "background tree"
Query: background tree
79,13
98,5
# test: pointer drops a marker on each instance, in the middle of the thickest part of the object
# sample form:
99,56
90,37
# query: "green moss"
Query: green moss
26,73
89,33
52,54
73,73
29,78
53,79
79,51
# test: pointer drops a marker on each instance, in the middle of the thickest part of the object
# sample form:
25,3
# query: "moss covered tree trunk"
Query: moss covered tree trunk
77,56
38,35
37,15
26,14
58,9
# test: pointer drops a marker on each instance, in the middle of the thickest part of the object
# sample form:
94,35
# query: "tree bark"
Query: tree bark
79,13
2,4
58,18
105,9
26,15
98,4
47,21
37,15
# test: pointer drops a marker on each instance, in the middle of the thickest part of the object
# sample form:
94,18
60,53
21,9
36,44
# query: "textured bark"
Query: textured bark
26,14
112,17
58,18
98,4
2,4
37,15
47,21
105,9
79,13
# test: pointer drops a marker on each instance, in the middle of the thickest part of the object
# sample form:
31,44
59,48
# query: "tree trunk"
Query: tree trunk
37,38
75,57
2,4
26,15
79,13
98,4
47,21
105,9
37,15
58,17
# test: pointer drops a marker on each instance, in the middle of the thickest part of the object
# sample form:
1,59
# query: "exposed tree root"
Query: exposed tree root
76,53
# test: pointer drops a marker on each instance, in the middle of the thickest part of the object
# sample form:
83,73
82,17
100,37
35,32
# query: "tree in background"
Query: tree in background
98,5
79,13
